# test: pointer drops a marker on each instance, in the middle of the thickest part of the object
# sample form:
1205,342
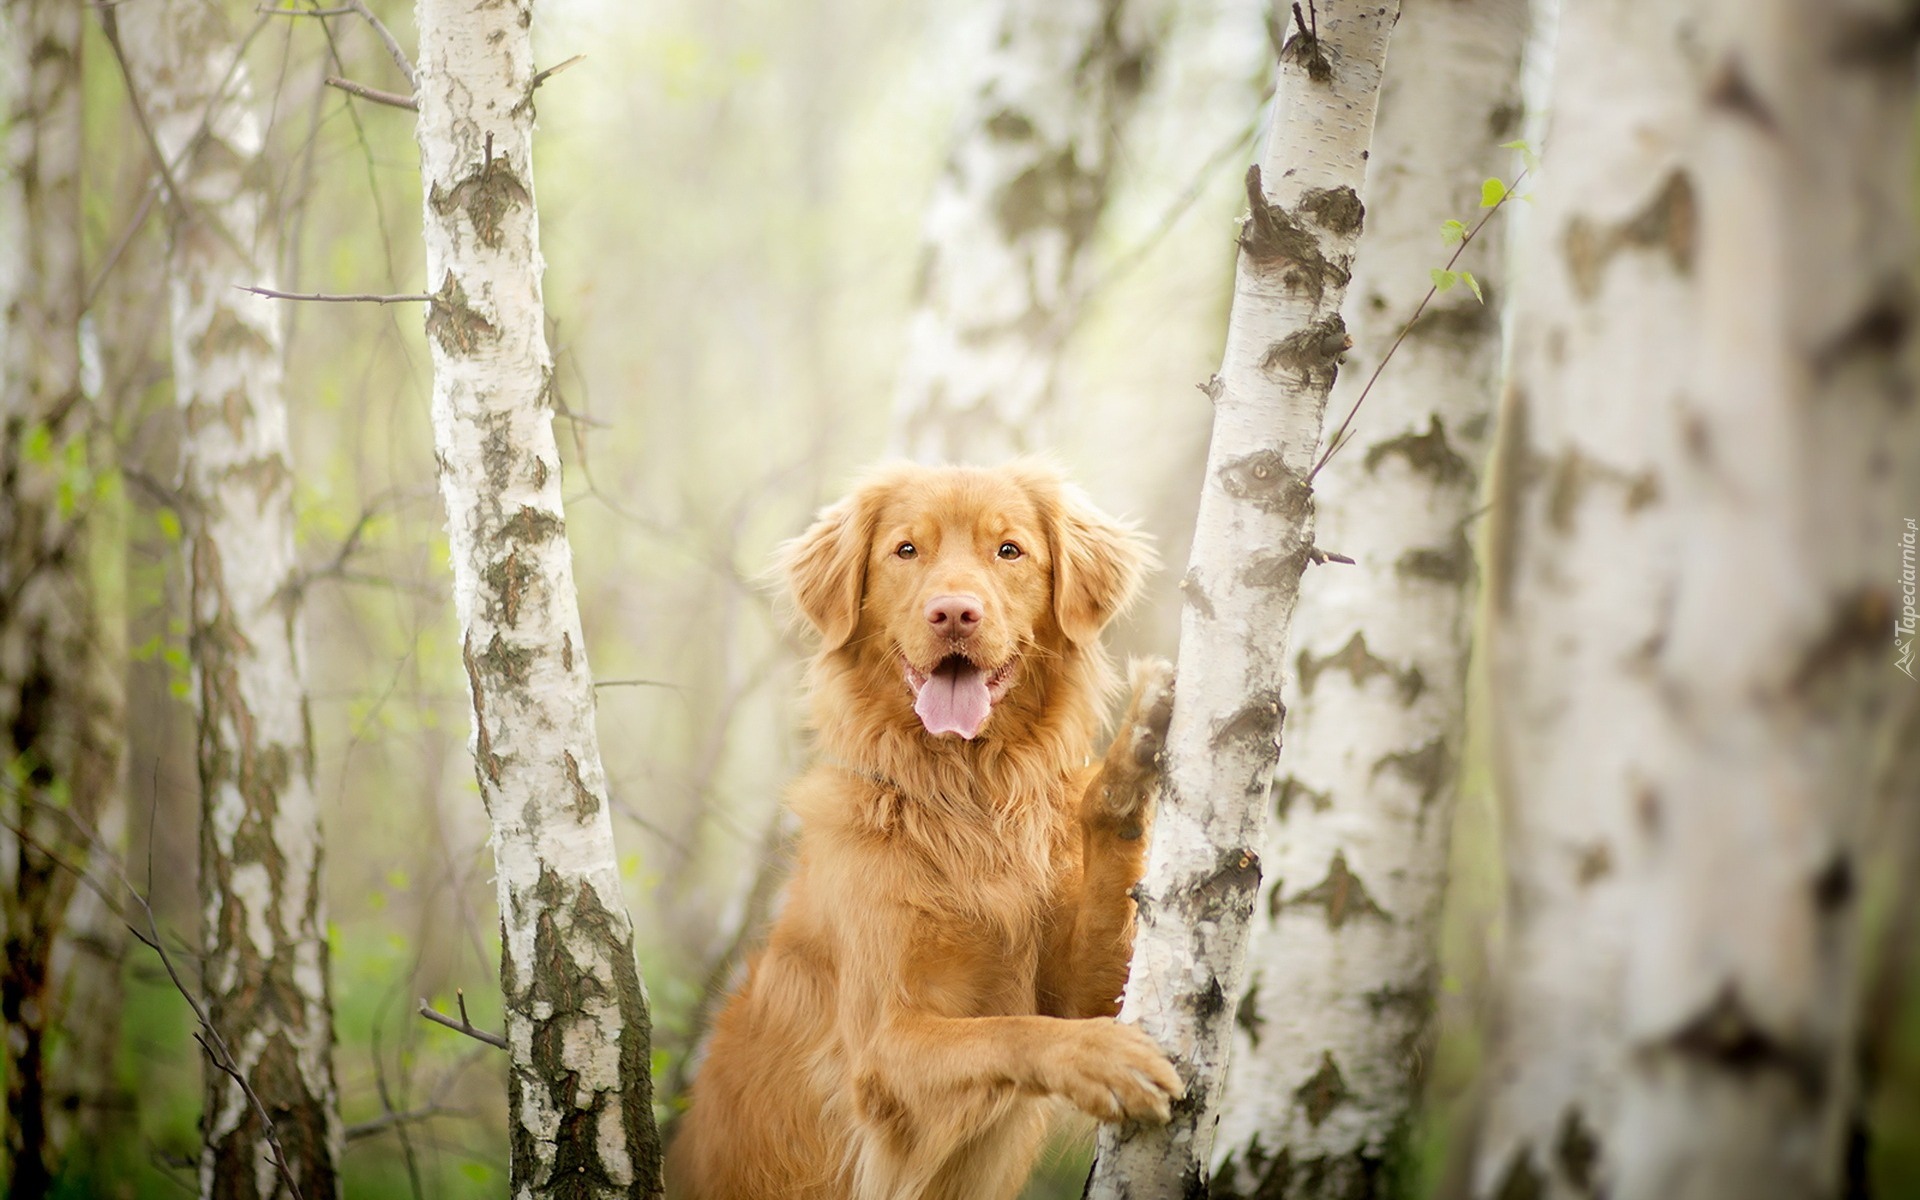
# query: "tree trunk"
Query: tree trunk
1332,1025
263,907
1709,451
579,1093
1009,224
61,699
1251,542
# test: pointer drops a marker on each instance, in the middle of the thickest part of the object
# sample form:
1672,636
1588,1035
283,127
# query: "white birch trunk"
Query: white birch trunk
1251,542
1331,1028
1794,498
261,887
61,700
579,1092
1009,226
1708,451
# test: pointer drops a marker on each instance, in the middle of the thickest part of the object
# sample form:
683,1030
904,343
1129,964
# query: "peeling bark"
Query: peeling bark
1010,223
1344,960
1700,536
1283,342
61,699
577,1025
261,888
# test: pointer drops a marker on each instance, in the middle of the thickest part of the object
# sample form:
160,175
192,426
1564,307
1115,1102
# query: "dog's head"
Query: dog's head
961,582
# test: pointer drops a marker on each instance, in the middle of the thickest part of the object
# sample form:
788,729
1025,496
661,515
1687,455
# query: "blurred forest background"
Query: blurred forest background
732,199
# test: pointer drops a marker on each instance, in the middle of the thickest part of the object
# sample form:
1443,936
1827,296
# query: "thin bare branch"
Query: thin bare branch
462,1025
542,76
391,99
338,298
388,40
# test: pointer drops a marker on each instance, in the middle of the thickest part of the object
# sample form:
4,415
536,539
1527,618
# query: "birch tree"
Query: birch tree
577,1025
1709,450
1332,1024
61,698
264,967
1010,223
1253,537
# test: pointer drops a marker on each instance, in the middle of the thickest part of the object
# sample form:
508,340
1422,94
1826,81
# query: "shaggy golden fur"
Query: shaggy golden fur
956,935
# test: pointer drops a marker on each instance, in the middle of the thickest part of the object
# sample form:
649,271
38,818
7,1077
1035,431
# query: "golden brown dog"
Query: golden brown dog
956,935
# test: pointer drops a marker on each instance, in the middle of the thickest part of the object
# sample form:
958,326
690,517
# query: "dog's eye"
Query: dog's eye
905,550
1009,551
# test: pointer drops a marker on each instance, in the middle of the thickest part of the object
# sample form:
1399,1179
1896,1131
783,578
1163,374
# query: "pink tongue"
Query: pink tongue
954,699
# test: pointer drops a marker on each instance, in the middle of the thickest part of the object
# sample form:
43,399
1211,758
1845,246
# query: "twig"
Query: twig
1321,557
542,76
393,99
657,683
270,11
462,1025
120,245
1337,441
338,298
390,1120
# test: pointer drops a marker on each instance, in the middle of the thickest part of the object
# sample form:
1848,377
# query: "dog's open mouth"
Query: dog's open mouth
957,695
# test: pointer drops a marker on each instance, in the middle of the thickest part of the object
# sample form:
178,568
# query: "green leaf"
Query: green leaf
1443,281
1467,278
169,523
37,446
478,1172
1527,152
1453,232
398,880
1492,192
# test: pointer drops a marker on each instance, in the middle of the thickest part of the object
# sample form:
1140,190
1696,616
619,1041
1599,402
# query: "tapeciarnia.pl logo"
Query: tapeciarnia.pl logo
1904,624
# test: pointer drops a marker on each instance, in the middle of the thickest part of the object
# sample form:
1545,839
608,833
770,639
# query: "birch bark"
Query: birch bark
1331,1028
1010,223
261,887
579,1092
1251,542
61,699
1708,452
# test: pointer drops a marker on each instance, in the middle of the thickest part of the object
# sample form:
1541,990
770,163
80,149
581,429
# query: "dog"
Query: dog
949,960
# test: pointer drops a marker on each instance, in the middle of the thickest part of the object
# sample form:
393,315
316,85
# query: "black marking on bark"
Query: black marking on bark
1009,126
1727,1035
1460,321
1732,90
1577,1149
1573,473
507,581
486,762
498,454
1053,193
1275,240
532,525
1264,480
1595,864
1429,769
1414,999
226,335
1275,570
1311,352
1451,565
1246,1015
265,475
1230,887
1341,894
1360,664
1270,1176
566,651
1834,886
1879,329
1856,629
1196,595
586,805
455,324
1337,209
1670,222
1510,478
1323,1091
486,195
1305,49
1427,453
1214,388
1522,1180
1290,789
1646,810
1881,41
1275,899
1210,1001
509,664
539,472
1255,731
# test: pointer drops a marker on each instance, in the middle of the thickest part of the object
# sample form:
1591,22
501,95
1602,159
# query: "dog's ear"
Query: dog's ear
826,567
1098,562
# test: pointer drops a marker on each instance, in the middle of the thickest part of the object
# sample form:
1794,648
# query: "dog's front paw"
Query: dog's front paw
1113,1072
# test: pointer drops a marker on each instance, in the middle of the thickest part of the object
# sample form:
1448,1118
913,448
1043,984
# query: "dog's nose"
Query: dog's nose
954,615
